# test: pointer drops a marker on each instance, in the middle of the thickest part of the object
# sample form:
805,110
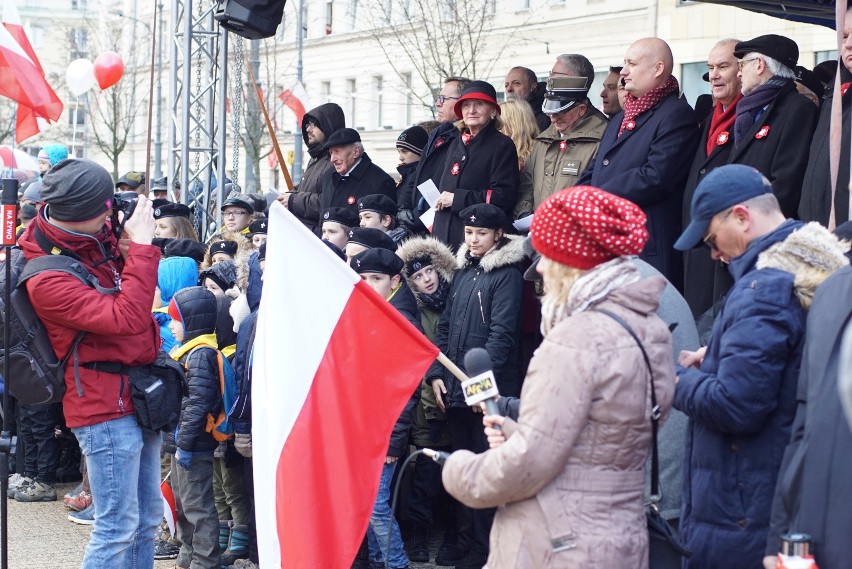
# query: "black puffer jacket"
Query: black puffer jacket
535,99
406,304
305,202
225,335
243,370
483,311
202,395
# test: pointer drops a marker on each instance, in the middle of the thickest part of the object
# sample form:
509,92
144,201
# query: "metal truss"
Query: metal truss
198,79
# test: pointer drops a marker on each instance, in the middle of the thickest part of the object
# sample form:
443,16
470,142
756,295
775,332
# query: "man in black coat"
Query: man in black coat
431,165
640,157
317,126
354,175
814,487
705,281
774,123
815,203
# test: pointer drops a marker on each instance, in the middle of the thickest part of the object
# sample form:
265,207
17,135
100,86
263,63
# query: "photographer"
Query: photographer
122,458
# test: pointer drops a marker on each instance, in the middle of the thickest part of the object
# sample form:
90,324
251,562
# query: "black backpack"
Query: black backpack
36,374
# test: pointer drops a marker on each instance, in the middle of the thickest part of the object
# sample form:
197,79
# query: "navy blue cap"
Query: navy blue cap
724,187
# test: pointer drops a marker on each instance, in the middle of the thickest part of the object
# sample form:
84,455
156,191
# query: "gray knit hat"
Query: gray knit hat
77,189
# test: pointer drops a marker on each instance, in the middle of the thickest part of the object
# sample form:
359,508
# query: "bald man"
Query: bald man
641,156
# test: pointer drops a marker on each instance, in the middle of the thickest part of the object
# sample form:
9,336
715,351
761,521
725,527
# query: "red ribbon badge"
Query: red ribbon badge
723,137
455,169
438,143
350,200
762,132
843,88
466,137
630,125
562,145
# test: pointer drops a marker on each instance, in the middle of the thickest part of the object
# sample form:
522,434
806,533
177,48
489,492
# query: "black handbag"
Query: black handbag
665,550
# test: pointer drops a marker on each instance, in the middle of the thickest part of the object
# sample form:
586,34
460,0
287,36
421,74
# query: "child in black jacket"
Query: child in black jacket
193,311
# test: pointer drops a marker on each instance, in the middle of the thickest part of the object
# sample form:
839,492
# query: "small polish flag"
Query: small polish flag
169,508
296,99
334,365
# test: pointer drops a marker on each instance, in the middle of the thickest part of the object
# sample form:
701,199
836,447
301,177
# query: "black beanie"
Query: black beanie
77,189
413,139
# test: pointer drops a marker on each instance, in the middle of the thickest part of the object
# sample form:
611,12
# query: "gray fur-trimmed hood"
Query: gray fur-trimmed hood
510,253
441,255
810,254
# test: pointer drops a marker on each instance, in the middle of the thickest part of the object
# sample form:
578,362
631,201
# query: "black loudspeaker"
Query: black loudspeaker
253,19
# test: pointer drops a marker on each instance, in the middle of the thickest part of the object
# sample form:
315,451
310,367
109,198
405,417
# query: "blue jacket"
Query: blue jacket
740,405
648,166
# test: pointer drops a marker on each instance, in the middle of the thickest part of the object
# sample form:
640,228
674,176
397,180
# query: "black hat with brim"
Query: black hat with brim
780,48
342,137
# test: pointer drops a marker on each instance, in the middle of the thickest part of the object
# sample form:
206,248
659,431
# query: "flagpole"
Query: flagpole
74,129
453,368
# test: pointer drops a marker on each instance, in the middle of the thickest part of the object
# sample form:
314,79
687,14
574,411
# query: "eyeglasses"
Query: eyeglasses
443,98
742,62
710,240
238,213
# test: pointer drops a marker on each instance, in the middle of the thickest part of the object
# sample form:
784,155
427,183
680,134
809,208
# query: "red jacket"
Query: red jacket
119,327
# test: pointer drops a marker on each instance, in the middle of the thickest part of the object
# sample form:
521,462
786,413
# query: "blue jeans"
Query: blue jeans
383,523
123,461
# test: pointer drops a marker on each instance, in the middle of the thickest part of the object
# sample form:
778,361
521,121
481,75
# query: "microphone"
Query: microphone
9,211
481,385
438,456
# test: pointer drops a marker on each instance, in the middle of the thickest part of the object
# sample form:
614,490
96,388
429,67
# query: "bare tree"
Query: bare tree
8,107
438,39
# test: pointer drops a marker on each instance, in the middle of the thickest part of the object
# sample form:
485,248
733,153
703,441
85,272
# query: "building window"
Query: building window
325,91
691,83
79,43
378,84
353,15
351,94
820,56
329,16
408,103
597,87
37,37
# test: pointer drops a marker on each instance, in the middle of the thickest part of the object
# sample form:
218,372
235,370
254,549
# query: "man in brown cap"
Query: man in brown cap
774,124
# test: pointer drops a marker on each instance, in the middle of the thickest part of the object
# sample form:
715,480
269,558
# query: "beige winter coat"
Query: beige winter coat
569,479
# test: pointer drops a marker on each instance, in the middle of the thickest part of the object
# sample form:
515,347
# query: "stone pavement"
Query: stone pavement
41,537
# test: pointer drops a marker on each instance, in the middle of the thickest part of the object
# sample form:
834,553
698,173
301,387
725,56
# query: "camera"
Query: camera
124,202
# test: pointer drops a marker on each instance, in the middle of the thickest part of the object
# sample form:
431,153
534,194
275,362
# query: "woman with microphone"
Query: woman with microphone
569,477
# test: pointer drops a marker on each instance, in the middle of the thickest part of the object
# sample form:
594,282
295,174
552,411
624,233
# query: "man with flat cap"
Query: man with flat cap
565,149
354,175
645,152
739,391
774,124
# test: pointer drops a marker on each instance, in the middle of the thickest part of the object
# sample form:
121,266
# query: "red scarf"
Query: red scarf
635,106
721,122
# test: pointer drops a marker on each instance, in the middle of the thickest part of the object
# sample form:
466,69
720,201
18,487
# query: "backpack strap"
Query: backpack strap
62,264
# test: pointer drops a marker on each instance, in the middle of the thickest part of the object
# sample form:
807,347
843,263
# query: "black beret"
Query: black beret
258,226
371,238
334,249
185,248
378,203
161,242
377,261
172,210
342,215
159,202
226,247
483,215
809,79
342,137
779,48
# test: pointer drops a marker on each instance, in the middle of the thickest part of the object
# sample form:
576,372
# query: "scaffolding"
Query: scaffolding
198,83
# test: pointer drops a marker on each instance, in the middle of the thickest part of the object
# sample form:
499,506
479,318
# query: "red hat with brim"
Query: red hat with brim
481,90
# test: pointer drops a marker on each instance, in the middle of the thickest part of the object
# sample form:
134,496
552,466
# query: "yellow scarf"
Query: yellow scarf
202,340
229,351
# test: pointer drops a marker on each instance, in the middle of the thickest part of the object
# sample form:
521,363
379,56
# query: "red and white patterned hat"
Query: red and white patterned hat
584,226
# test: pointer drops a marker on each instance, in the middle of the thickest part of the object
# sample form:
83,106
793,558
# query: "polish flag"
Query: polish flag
334,365
296,100
169,507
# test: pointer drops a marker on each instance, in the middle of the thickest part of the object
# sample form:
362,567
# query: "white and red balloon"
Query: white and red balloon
109,67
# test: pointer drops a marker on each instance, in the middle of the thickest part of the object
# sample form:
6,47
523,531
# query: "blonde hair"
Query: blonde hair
182,226
558,281
520,125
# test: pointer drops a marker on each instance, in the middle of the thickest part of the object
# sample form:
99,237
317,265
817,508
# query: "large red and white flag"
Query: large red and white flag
296,99
22,77
334,364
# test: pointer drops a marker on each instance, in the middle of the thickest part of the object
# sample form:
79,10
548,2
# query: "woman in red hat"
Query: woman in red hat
481,166
570,473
